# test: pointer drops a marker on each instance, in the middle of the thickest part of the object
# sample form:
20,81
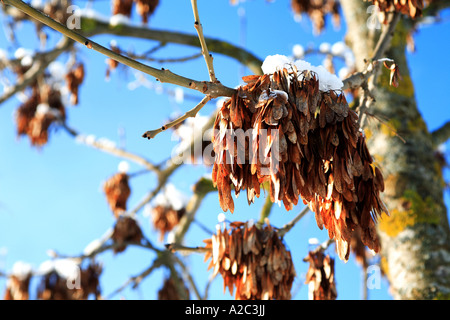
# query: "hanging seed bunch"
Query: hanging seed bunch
169,207
411,8
17,289
58,10
146,8
18,283
317,10
359,250
320,276
36,115
170,292
74,79
306,145
252,260
54,285
126,229
112,64
117,191
90,282
123,7
166,218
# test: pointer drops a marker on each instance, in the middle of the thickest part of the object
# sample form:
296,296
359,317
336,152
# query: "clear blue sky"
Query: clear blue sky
52,199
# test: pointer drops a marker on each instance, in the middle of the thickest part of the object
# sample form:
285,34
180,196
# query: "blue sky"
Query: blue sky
52,199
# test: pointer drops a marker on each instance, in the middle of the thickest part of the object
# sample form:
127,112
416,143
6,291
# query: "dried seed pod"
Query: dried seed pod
35,116
126,229
26,112
117,191
17,285
251,260
112,64
317,10
54,284
411,8
320,276
170,292
146,8
74,79
58,10
165,218
123,7
326,164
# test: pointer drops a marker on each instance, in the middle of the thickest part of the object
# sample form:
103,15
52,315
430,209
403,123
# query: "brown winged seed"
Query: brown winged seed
320,276
117,191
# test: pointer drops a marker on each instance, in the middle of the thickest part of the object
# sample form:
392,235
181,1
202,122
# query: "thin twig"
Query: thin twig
111,149
136,280
322,247
205,52
380,49
173,247
188,276
240,54
166,60
393,130
265,211
191,113
285,229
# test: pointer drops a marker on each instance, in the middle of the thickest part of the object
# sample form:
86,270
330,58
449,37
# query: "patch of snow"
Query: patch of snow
21,270
119,19
327,81
171,197
339,48
123,166
298,51
325,47
274,63
92,246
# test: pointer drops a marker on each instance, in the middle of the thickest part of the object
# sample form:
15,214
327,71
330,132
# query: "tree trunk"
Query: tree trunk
415,239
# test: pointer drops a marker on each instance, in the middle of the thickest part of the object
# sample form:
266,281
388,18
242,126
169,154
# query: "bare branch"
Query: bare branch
322,247
111,149
205,52
178,247
42,61
265,211
441,135
285,229
207,88
190,114
218,46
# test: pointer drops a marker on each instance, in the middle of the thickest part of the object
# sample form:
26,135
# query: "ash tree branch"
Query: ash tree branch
97,27
112,150
441,135
207,88
205,52
285,229
190,114
356,80
42,62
